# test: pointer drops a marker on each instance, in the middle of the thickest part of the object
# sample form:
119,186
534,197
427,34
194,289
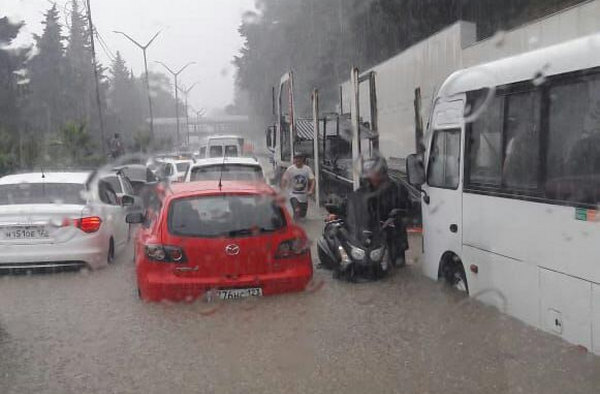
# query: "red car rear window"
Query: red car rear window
224,216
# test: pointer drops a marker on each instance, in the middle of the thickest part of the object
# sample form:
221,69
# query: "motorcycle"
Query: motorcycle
355,248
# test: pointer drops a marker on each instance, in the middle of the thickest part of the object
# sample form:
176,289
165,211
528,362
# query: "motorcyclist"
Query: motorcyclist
382,196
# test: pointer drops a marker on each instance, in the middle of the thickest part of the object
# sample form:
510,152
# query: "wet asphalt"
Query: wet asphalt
87,332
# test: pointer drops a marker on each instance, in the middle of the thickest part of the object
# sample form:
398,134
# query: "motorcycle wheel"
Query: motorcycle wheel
324,259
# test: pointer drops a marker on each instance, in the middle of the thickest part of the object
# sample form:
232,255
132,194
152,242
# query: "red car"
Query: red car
237,240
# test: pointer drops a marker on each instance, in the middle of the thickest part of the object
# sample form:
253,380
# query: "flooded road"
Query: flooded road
88,332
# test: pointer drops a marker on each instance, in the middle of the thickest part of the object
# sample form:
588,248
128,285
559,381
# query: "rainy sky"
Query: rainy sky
204,31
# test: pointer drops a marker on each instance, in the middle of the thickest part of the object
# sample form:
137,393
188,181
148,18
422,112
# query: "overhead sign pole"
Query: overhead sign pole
355,115
317,165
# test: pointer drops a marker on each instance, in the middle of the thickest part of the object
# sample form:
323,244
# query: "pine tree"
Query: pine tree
11,62
124,100
81,93
48,76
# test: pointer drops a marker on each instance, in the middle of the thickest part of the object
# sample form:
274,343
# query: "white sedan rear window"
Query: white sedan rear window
40,193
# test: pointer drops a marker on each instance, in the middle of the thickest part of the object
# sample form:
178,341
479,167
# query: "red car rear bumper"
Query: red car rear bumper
158,286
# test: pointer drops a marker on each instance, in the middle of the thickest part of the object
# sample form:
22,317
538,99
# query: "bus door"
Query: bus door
442,215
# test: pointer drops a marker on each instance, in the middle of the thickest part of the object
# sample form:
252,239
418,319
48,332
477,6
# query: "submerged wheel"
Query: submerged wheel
110,257
324,260
453,272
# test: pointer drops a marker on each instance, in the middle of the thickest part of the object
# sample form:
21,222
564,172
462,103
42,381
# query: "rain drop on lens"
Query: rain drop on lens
499,39
540,76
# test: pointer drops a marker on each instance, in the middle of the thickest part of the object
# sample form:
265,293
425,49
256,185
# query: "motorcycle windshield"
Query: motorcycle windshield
362,215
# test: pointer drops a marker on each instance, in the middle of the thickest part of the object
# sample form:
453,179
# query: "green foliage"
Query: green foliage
126,100
80,91
322,39
141,141
47,70
48,108
11,62
74,146
8,152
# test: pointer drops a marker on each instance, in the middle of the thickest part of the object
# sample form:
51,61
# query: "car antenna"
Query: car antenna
43,174
221,174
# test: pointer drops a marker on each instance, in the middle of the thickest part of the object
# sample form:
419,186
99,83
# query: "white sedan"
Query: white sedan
227,169
55,220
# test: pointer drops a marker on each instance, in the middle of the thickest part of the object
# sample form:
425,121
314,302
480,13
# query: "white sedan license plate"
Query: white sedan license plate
24,232
236,294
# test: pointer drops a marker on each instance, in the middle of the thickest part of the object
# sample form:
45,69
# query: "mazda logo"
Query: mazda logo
232,250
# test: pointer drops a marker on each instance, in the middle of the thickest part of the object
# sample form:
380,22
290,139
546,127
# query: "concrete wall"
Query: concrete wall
427,64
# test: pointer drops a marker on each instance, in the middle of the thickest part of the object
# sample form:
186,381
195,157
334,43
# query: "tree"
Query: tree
47,73
75,146
11,62
80,90
125,101
322,39
12,93
162,93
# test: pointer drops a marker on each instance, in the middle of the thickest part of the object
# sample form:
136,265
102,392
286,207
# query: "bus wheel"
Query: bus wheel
453,272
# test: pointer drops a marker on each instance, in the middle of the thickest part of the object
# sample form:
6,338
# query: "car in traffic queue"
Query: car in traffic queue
143,181
122,186
139,176
227,169
174,170
58,220
233,239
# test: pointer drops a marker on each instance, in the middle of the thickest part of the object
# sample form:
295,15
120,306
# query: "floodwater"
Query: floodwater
88,332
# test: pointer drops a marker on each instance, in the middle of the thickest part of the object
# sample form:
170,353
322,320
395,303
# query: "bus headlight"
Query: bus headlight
377,254
357,253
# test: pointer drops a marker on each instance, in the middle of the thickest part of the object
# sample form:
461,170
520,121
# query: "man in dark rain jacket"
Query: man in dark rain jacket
373,202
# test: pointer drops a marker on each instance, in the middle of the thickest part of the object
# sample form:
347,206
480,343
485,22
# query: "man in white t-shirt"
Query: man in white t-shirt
299,181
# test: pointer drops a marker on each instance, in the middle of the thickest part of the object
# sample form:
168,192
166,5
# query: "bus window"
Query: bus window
444,159
573,163
485,145
522,135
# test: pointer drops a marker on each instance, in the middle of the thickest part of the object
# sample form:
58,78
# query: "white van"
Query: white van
223,146
511,187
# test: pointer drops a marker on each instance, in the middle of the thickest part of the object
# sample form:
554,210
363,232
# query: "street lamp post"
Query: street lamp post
186,93
175,76
144,48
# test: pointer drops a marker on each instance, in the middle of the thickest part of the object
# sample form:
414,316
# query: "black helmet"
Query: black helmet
374,165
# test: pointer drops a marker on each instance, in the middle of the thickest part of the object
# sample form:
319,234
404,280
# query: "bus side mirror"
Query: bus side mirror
415,170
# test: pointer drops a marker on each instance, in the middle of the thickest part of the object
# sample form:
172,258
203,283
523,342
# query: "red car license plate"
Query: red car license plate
236,294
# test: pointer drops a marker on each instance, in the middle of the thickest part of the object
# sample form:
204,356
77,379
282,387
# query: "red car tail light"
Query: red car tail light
165,254
291,248
88,225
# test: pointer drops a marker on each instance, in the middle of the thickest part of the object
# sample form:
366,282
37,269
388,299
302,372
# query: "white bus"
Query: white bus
511,186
